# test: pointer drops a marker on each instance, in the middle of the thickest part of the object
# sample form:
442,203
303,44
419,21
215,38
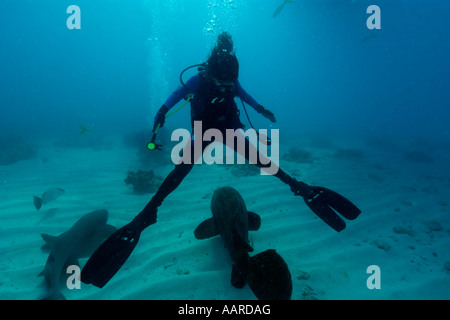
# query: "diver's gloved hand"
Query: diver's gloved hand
160,117
266,113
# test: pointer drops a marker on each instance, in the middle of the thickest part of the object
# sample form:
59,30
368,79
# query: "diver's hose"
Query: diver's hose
201,67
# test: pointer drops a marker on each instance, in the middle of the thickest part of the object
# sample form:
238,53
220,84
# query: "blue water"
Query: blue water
316,66
310,65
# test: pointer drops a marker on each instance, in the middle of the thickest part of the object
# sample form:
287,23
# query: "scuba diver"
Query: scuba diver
214,89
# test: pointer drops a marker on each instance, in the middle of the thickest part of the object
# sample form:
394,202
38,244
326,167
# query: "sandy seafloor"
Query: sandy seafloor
402,188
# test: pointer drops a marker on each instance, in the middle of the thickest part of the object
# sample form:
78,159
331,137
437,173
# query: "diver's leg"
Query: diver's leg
325,203
148,215
270,167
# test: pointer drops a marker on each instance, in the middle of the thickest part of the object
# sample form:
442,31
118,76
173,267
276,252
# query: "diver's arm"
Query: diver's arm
174,98
246,97
182,91
255,105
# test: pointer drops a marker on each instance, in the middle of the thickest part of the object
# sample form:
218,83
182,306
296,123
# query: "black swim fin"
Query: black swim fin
326,203
112,254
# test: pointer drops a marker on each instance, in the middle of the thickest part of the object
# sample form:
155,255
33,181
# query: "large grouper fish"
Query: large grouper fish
266,273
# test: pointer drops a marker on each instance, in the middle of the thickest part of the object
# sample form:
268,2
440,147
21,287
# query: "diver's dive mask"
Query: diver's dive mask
224,85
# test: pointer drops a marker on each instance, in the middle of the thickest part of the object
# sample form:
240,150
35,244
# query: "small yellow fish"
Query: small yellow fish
83,129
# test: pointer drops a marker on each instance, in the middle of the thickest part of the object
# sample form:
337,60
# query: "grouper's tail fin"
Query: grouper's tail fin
269,276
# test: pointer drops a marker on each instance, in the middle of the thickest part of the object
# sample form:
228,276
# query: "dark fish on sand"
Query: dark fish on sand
80,241
49,195
266,273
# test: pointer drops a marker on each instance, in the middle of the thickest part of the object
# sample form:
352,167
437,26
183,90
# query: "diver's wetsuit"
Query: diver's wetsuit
217,109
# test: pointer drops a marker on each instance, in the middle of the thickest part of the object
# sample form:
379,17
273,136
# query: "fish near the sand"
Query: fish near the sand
266,273
48,196
280,8
80,241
